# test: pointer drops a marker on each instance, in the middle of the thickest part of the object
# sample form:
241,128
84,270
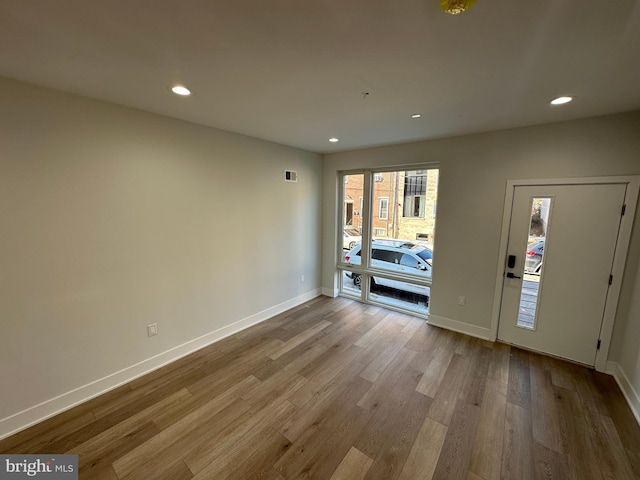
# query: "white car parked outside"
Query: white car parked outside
397,256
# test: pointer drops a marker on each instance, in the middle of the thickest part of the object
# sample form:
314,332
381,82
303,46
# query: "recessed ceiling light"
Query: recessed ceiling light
416,115
180,90
334,140
561,100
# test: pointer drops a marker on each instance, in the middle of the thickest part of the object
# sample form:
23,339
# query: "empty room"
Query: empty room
323,240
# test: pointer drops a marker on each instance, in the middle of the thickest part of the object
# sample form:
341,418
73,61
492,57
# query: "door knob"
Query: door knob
511,275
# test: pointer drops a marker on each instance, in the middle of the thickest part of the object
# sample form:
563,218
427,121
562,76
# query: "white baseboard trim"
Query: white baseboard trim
49,408
460,327
330,292
630,394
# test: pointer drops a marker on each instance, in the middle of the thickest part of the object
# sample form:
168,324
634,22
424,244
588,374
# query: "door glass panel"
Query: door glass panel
353,187
533,262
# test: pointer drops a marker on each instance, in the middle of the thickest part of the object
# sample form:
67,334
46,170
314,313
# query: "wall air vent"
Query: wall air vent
290,176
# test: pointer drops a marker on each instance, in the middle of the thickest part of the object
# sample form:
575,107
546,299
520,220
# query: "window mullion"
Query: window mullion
367,220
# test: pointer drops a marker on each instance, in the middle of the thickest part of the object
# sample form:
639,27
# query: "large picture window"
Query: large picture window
389,260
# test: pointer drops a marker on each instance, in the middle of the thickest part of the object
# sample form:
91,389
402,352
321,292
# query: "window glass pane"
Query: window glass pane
425,254
402,198
400,294
350,283
352,194
386,255
409,261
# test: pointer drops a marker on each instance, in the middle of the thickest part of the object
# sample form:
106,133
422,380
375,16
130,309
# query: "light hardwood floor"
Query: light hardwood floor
335,389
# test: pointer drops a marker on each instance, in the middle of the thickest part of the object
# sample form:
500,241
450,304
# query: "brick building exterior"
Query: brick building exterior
404,204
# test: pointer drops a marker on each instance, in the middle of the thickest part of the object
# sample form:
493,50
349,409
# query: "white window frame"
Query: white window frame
367,216
386,209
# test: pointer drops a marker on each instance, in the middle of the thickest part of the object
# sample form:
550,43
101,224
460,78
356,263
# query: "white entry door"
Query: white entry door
561,246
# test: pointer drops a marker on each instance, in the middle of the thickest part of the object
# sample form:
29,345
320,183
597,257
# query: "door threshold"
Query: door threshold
545,354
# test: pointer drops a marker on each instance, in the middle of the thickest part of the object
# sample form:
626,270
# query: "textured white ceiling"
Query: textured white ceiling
295,71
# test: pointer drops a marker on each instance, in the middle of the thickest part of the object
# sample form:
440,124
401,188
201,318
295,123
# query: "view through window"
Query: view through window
396,264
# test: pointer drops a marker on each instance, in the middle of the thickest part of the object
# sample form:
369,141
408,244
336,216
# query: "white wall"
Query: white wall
112,219
474,170
625,364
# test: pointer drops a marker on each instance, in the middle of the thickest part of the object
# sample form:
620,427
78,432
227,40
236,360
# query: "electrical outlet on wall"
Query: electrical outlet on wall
301,278
462,300
152,329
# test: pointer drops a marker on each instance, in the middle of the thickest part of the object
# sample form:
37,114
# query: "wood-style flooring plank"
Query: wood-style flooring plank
423,458
102,432
546,428
588,392
519,390
95,457
479,357
517,454
322,374
445,400
259,464
386,356
229,437
300,457
160,468
561,374
455,456
312,410
32,441
354,466
436,370
385,383
127,463
612,458
499,365
178,410
549,464
335,389
399,439
146,466
388,413
297,340
104,473
619,411
634,460
486,457
578,443
261,438
324,461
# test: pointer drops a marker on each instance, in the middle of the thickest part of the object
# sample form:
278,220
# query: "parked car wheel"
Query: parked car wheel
357,281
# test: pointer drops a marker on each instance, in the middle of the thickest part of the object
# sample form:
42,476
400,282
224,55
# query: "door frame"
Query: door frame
619,259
